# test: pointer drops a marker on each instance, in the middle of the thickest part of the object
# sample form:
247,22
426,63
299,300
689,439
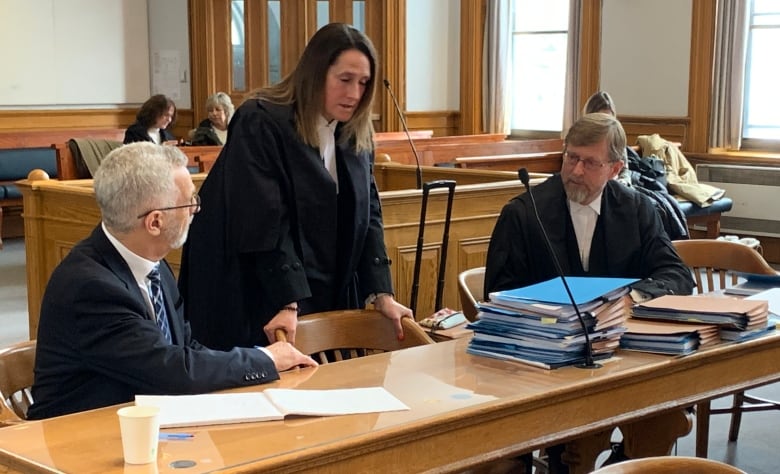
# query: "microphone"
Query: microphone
406,129
522,173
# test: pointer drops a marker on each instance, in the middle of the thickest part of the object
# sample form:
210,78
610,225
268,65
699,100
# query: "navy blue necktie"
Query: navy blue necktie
159,304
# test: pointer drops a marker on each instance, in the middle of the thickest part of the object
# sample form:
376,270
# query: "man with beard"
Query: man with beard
596,226
111,323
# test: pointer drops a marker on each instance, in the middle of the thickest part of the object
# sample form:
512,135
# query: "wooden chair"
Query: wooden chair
336,335
669,465
16,379
471,287
719,261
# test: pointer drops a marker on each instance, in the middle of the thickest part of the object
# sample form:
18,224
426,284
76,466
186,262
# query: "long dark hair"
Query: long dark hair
154,107
304,87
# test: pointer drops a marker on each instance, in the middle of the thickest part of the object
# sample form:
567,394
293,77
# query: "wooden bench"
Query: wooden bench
541,162
437,149
380,137
68,169
22,151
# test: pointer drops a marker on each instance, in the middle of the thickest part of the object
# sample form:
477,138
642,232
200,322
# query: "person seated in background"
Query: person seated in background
214,129
152,121
112,323
602,102
634,174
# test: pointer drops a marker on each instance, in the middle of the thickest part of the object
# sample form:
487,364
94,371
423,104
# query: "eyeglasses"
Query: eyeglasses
588,163
195,203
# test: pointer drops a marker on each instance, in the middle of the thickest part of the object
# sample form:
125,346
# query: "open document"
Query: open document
272,404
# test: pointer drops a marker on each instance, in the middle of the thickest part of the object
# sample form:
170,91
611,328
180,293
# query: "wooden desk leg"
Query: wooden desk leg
655,436
702,429
580,455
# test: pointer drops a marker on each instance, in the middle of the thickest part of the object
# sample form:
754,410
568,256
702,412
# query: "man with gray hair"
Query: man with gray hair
596,226
112,322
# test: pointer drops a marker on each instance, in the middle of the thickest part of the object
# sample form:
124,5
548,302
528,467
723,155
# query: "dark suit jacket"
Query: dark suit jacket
140,133
98,343
273,230
629,241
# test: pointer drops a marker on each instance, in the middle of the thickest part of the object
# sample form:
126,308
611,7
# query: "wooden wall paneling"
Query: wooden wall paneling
403,275
223,54
589,74
340,11
256,43
472,30
392,62
299,22
443,123
202,53
674,129
700,75
64,119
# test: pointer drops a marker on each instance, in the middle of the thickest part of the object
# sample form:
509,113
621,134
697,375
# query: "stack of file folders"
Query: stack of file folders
737,319
538,325
754,283
772,297
666,337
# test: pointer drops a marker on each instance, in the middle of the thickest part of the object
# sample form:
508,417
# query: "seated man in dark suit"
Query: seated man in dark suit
596,226
111,321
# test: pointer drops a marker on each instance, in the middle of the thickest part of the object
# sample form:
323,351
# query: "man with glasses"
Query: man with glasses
111,324
596,226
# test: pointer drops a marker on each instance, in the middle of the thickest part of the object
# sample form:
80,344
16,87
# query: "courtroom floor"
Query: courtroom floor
755,452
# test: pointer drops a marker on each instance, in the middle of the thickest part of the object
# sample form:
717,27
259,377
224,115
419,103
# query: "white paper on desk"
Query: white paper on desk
771,295
273,404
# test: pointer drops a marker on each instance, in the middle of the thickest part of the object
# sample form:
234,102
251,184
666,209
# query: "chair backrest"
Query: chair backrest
471,287
336,335
720,260
669,465
16,379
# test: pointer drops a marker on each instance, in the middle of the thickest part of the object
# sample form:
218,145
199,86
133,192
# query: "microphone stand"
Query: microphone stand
406,130
522,173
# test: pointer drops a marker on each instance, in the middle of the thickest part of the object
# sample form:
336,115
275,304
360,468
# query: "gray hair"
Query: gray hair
223,101
133,179
592,128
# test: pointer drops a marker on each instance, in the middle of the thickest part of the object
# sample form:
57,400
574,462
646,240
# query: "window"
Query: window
761,121
538,71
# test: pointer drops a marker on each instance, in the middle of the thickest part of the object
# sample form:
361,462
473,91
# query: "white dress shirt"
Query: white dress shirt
327,131
584,220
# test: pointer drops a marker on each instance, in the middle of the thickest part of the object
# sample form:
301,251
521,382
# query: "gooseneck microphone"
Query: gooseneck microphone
522,173
406,129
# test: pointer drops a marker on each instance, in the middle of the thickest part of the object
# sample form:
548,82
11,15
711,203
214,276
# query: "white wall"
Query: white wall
432,55
170,50
73,53
645,56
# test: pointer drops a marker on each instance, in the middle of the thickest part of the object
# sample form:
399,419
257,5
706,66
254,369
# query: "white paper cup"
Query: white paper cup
140,427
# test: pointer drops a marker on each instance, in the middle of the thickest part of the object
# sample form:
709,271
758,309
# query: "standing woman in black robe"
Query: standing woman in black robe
290,221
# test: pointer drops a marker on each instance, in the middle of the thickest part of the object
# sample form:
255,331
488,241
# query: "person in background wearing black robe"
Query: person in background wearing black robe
291,221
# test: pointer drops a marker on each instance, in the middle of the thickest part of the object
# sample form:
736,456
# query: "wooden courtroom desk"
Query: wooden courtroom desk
464,410
57,214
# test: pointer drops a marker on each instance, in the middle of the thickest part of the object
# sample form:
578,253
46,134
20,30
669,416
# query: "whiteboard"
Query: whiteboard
73,52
